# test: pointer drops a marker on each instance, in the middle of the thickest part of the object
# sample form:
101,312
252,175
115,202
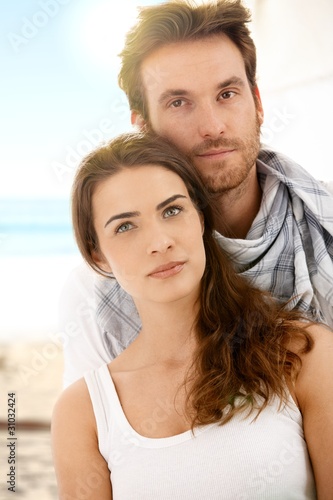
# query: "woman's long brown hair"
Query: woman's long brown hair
242,332
243,336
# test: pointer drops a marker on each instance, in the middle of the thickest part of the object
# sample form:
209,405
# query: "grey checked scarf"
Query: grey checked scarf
288,251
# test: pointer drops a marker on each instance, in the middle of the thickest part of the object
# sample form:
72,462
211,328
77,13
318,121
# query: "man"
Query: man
189,73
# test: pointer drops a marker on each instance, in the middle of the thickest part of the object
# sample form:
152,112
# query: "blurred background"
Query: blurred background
59,100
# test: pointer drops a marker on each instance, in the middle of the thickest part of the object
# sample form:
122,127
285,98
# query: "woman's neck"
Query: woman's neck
167,336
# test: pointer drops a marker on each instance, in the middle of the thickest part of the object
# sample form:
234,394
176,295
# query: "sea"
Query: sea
37,253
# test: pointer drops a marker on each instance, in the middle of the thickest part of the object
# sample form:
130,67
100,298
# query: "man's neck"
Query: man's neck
236,209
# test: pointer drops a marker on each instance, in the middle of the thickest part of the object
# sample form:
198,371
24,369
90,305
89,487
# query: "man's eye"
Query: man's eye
172,211
227,95
177,103
126,226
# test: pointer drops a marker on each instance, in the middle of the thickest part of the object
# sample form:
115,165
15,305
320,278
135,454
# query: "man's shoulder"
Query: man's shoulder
82,279
283,164
81,275
328,185
277,160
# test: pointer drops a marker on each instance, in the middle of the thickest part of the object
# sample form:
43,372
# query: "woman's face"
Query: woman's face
149,234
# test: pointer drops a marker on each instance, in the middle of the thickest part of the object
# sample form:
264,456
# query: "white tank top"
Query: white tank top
262,459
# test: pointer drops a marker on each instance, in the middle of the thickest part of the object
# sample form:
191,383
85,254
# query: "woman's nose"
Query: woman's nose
159,241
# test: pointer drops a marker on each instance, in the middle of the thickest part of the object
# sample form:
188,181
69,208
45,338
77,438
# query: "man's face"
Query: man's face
198,96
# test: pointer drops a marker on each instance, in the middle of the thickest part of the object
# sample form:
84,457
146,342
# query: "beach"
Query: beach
37,252
30,382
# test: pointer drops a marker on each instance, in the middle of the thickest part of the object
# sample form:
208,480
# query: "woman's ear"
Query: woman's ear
101,262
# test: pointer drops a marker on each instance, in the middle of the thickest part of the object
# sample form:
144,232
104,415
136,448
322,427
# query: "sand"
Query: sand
33,371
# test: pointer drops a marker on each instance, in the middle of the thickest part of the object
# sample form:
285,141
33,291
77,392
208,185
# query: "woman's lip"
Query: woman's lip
167,270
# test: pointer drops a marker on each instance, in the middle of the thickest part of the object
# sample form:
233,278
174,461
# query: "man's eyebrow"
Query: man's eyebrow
172,93
123,215
233,80
167,94
169,200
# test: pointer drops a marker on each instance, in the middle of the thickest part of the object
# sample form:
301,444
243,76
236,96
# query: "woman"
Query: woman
207,402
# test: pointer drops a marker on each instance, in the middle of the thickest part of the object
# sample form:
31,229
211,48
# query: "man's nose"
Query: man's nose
211,121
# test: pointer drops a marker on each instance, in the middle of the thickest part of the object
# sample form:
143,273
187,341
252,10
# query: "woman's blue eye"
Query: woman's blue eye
172,211
124,227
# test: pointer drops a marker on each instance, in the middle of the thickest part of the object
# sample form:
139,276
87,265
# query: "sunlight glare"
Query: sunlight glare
102,31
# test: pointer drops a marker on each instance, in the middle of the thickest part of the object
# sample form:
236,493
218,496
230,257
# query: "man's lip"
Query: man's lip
165,269
216,152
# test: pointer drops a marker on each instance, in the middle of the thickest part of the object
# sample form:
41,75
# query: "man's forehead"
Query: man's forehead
185,65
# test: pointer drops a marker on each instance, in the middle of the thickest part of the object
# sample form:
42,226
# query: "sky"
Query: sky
60,96
59,99
59,88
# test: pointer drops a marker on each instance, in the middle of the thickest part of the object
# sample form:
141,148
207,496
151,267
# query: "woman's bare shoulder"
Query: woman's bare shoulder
74,406
75,446
316,374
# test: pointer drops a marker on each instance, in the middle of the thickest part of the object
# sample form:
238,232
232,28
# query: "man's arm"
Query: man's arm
83,344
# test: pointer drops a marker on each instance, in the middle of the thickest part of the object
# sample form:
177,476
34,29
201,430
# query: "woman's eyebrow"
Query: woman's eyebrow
169,200
123,215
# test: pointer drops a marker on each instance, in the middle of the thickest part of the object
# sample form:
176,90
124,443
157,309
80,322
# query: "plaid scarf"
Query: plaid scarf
289,248
288,251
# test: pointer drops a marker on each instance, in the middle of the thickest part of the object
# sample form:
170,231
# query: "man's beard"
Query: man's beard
226,175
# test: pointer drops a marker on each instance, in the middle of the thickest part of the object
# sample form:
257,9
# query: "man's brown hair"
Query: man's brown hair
180,21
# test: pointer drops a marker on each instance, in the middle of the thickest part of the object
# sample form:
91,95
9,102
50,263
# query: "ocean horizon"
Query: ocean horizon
34,227
37,253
